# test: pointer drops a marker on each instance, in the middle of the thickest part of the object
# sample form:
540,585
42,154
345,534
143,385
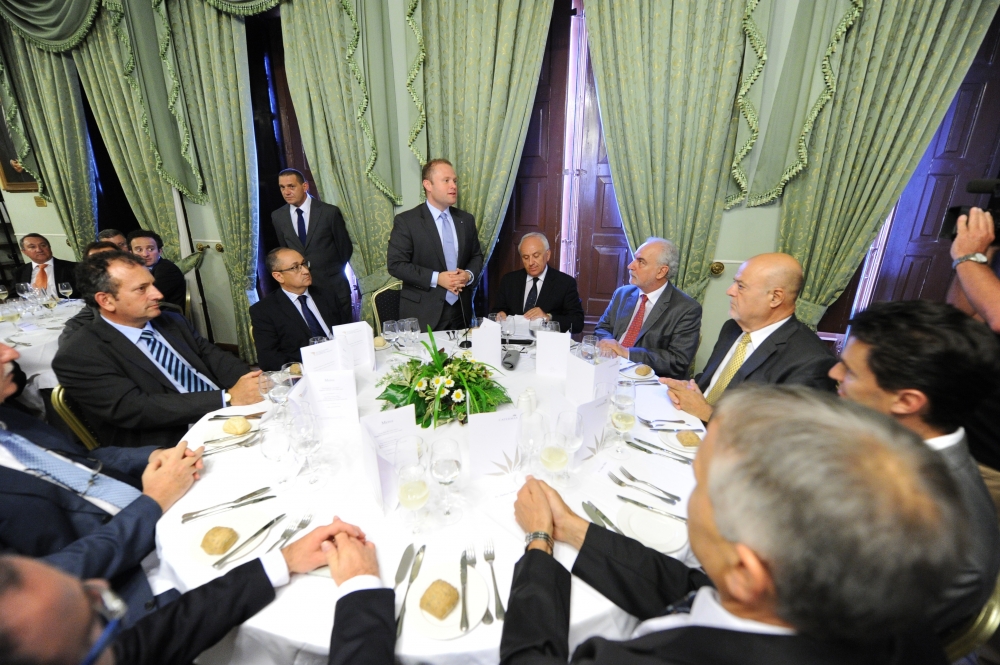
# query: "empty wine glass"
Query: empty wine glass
534,326
622,416
390,330
507,328
281,385
65,289
551,326
414,493
22,289
569,425
305,443
446,465
412,330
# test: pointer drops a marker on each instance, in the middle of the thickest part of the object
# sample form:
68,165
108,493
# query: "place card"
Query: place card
552,351
653,402
486,343
333,396
582,378
379,433
493,443
332,355
360,340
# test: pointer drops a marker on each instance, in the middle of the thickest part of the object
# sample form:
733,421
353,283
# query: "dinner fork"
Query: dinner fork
233,446
650,423
291,531
470,557
489,556
643,482
621,483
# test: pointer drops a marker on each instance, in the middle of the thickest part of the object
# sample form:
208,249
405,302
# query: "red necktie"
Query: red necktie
632,333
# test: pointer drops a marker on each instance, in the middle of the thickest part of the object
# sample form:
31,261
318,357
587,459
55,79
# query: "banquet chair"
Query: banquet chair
385,304
62,403
974,634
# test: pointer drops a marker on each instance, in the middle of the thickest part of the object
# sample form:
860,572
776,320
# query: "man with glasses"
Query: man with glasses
285,320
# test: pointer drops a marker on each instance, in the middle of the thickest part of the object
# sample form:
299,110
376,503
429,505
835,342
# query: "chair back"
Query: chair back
975,634
63,405
385,304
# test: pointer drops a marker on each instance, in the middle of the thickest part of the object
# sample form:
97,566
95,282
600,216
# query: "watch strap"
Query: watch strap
976,257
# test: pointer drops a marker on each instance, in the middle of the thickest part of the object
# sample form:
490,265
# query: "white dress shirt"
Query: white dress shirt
305,207
52,290
652,298
940,443
708,612
311,303
527,286
757,338
436,214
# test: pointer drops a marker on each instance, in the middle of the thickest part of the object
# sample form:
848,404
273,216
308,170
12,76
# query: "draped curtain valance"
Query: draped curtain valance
51,25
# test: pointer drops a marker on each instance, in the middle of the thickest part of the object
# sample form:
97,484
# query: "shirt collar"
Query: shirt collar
294,297
133,334
306,205
757,337
435,213
946,441
51,262
653,296
708,612
541,278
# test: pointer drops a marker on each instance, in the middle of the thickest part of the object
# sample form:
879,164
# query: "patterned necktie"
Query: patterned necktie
450,251
532,295
178,368
315,329
42,278
733,366
301,226
632,333
67,474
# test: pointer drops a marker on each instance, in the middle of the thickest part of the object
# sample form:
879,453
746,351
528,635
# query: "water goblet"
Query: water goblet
22,289
446,465
306,443
569,425
588,348
390,331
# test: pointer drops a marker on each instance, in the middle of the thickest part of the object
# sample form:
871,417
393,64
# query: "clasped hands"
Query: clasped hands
340,545
453,280
540,508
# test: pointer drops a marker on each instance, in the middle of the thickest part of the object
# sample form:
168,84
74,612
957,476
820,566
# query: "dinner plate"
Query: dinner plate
477,599
669,439
213,430
629,373
245,522
656,531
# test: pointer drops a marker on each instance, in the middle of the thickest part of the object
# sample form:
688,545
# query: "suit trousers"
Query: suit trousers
451,317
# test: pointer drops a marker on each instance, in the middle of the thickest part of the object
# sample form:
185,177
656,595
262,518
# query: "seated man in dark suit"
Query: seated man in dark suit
285,320
49,617
538,291
651,321
147,245
763,342
142,377
824,529
928,365
88,313
43,270
115,237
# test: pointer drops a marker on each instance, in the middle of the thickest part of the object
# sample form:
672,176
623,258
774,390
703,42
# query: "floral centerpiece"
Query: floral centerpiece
446,388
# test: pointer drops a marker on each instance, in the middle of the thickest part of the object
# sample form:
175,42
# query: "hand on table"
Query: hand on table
610,347
246,390
349,557
170,474
540,508
536,313
975,233
687,397
307,553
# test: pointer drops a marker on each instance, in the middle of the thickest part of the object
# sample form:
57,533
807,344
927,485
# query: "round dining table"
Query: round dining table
296,627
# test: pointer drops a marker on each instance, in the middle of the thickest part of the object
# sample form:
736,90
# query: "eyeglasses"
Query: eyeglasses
295,268
112,608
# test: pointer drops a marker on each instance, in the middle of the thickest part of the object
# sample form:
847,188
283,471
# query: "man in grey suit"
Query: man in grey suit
928,365
434,249
650,321
316,230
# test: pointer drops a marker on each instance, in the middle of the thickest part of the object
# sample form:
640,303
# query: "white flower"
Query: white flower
449,383
437,381
458,396
422,385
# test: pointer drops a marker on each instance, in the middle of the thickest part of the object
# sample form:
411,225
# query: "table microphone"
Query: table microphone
464,344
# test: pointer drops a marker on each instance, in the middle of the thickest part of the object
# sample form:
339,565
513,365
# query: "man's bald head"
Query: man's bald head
764,290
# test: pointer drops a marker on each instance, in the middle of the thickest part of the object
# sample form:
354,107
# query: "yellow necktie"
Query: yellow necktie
733,366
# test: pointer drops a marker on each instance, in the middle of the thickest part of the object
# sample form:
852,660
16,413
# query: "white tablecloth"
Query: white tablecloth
295,628
36,359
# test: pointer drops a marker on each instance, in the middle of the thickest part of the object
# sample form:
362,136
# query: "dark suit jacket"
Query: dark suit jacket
668,340
643,582
328,248
41,519
65,271
125,398
415,252
279,330
558,296
170,282
792,354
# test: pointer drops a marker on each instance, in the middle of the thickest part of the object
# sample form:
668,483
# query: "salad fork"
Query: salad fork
643,482
621,483
470,557
489,556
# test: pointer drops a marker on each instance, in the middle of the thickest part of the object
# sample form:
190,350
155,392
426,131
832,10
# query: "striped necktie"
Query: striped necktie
178,368
732,367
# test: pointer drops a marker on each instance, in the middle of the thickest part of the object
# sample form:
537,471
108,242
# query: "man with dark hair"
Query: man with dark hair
434,249
147,245
927,365
43,270
141,377
115,237
823,529
317,231
285,320
86,315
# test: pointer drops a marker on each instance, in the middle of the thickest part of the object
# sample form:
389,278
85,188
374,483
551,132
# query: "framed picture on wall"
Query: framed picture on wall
13,177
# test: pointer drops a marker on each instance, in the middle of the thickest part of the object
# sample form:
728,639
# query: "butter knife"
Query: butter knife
678,458
594,517
606,520
263,530
464,624
414,571
652,509
194,513
404,565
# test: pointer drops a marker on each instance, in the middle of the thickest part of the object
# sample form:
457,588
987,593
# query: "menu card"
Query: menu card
379,433
493,443
486,343
360,340
582,378
652,402
333,396
332,355
552,352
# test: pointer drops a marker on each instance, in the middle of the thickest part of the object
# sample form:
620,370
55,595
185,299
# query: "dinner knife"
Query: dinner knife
605,519
249,416
194,513
681,457
223,509
464,623
655,452
594,517
414,571
263,530
652,509
404,565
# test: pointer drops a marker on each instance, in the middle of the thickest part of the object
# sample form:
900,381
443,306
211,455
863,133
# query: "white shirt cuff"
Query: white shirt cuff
359,583
472,277
275,568
434,279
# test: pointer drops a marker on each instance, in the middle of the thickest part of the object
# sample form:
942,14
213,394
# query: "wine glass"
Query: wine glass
569,425
22,289
280,386
551,326
3,293
306,442
446,465
588,348
14,311
622,416
554,457
412,330
318,340
531,430
390,331
65,289
507,328
274,441
534,326
414,493
293,371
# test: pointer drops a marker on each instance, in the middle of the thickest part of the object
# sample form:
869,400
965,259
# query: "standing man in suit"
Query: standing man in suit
538,291
142,377
316,230
147,245
44,271
434,249
928,365
285,320
823,529
650,321
763,342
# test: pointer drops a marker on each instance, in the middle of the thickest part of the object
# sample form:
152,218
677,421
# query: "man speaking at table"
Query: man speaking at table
142,377
824,529
434,249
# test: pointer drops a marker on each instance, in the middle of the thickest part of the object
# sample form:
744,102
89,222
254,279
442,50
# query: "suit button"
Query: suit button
105,519
150,604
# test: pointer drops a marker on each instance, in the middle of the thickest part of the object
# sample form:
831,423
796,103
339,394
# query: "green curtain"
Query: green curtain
329,92
243,7
483,62
210,48
52,25
51,107
899,70
667,74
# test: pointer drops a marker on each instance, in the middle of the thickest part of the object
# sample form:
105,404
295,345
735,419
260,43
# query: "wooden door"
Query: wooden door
916,263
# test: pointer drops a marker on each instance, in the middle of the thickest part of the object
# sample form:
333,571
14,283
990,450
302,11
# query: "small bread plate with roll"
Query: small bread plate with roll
685,442
446,628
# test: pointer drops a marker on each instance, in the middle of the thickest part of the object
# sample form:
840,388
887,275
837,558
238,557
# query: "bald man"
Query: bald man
763,342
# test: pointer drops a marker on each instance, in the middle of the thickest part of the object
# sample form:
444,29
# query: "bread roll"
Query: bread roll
688,439
295,369
379,342
643,370
218,540
439,599
236,425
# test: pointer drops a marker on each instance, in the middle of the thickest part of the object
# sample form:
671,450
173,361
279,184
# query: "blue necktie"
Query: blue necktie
450,251
302,226
532,295
315,329
178,368
66,473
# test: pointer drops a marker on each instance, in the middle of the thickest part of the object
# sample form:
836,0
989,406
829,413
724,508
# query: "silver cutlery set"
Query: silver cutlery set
245,443
600,519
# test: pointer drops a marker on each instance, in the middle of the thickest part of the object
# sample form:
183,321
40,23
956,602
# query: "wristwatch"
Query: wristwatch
226,397
977,257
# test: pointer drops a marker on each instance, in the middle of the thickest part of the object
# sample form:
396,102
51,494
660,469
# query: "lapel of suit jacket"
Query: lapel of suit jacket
130,351
626,310
769,347
291,311
659,309
316,215
430,230
292,233
725,341
172,333
329,314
